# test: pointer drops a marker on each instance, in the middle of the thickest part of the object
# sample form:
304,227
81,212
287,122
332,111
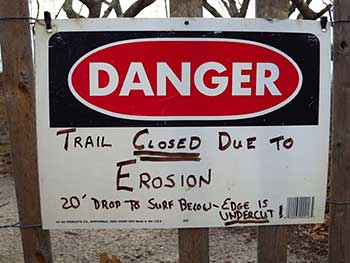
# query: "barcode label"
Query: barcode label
300,207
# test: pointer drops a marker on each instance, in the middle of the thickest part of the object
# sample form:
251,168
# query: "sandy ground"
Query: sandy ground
229,245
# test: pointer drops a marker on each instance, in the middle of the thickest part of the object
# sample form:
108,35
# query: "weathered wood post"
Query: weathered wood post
272,9
190,8
339,238
19,98
272,240
193,243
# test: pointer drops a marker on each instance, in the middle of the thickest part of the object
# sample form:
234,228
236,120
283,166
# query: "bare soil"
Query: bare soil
307,243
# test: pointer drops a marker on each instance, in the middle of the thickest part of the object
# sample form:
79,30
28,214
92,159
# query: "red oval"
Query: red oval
197,106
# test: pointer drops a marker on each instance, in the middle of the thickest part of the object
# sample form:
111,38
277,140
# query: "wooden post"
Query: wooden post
193,243
272,9
339,238
19,99
189,8
272,240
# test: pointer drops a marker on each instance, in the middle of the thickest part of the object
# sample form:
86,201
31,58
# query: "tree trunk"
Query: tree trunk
272,9
188,8
339,238
272,240
193,243
19,99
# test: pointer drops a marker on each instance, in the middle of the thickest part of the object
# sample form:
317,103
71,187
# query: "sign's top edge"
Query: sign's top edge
185,23
270,20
